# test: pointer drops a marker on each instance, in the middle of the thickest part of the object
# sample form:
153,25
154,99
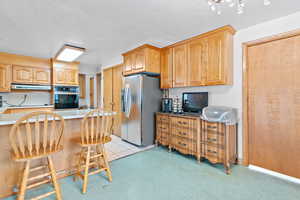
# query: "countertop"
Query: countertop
8,119
181,114
4,108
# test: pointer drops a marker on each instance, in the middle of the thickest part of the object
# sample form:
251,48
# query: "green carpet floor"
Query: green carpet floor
159,175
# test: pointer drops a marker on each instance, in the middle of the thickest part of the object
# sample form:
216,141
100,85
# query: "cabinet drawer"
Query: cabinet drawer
163,127
185,133
162,118
184,145
163,138
213,153
181,122
213,137
213,127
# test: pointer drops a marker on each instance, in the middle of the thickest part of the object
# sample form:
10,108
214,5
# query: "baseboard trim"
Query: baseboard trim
276,174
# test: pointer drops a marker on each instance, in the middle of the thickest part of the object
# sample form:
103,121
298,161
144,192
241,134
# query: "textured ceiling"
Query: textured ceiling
109,27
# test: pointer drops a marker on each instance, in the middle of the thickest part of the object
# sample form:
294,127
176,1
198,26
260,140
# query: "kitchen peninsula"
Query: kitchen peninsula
64,161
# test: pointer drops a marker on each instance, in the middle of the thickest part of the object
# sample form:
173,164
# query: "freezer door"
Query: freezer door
131,125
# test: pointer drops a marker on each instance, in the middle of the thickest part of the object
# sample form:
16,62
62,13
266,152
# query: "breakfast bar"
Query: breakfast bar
64,161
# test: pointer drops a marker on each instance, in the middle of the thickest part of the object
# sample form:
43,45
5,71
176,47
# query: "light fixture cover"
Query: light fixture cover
69,53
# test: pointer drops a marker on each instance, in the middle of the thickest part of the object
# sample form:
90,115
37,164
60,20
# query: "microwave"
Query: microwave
66,97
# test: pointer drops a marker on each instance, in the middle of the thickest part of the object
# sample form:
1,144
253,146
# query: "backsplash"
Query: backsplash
33,98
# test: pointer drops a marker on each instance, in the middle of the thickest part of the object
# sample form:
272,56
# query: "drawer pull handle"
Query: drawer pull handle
212,127
210,151
180,122
211,140
182,144
182,133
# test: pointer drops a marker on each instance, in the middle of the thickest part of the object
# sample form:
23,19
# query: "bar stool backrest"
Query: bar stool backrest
36,134
96,126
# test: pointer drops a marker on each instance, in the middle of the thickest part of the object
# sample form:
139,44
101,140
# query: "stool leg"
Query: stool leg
54,179
21,195
108,172
78,170
86,170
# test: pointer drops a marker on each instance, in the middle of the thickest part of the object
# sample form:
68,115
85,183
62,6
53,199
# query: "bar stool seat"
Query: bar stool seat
95,132
37,136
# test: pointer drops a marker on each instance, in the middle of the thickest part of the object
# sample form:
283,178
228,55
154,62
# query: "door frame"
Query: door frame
245,47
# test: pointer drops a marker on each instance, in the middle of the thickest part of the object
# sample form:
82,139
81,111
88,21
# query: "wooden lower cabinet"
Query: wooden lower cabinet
190,135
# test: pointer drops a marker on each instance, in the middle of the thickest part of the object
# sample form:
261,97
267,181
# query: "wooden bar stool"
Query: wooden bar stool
95,132
37,136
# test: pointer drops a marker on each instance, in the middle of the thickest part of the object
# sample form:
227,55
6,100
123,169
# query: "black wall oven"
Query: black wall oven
66,97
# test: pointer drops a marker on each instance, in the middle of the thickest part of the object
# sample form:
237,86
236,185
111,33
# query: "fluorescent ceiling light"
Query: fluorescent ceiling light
69,53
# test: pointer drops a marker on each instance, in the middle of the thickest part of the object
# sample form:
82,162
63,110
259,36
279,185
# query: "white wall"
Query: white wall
232,95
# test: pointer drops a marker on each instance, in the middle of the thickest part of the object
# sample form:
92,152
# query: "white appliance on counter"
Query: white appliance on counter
140,100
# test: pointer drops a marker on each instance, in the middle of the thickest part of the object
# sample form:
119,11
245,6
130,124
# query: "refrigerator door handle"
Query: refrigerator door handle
123,100
128,102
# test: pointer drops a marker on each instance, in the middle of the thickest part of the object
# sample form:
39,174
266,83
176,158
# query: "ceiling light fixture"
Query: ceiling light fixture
69,53
215,5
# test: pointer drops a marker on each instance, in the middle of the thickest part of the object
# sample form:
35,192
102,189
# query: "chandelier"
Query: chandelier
216,5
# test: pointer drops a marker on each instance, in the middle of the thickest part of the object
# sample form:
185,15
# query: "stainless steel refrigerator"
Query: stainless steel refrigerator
141,98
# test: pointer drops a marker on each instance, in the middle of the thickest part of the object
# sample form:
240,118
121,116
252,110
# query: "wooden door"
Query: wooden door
128,63
166,77
140,60
82,85
116,92
5,78
180,66
92,97
22,74
99,92
197,61
107,89
41,76
274,105
215,63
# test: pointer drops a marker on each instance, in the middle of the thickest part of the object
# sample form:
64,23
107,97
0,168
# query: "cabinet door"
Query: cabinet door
140,60
180,66
22,74
197,60
215,63
41,76
71,76
128,63
107,89
59,76
166,78
5,78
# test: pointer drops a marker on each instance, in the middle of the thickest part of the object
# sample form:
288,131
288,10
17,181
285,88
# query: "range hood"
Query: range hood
30,87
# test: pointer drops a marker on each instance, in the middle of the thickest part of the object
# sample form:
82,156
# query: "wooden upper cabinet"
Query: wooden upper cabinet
145,58
166,77
5,77
65,73
180,66
41,76
215,63
197,62
82,85
22,74
128,63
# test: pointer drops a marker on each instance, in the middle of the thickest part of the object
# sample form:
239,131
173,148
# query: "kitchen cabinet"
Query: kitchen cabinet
65,73
5,78
197,62
180,66
22,74
145,58
190,135
112,86
41,76
166,78
203,60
